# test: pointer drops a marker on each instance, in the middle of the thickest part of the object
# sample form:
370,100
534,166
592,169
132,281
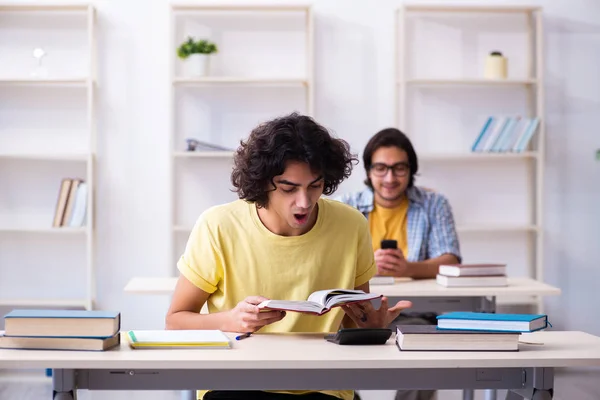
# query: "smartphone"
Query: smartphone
389,244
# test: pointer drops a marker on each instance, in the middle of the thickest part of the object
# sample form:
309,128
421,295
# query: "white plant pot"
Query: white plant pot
197,65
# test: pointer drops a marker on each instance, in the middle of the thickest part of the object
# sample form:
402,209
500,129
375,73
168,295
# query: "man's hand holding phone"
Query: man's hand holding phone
390,260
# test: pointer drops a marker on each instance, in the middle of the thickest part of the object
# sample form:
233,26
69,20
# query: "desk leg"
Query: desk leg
542,387
63,384
536,395
488,305
468,394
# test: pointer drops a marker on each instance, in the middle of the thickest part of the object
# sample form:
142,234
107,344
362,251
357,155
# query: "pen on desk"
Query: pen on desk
244,336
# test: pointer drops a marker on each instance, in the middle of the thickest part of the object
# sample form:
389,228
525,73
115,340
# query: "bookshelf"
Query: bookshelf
443,100
263,69
47,133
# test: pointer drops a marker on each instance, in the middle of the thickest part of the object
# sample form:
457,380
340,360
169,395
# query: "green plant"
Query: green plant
191,46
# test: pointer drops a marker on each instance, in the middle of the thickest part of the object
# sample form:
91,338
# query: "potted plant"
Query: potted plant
196,53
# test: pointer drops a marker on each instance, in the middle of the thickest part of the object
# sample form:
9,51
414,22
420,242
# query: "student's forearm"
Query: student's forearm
429,268
191,320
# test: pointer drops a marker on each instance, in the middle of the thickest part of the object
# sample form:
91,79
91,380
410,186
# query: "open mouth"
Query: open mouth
301,218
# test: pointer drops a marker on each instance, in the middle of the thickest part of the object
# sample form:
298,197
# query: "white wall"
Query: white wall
355,98
354,72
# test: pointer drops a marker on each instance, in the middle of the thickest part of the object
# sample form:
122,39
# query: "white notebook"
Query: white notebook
161,339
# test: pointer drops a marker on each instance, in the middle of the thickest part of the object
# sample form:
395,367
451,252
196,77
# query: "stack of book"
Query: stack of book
469,331
470,275
61,330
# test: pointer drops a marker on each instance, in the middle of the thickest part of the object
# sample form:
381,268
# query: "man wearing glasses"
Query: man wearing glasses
418,219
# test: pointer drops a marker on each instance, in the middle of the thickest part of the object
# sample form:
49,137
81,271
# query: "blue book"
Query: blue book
493,322
62,323
477,145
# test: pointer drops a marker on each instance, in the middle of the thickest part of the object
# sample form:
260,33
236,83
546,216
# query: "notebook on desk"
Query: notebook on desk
177,339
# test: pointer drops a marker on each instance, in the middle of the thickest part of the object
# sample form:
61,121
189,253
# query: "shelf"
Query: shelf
46,157
217,80
203,154
77,82
44,7
470,9
489,228
467,82
483,156
492,228
240,7
63,303
49,230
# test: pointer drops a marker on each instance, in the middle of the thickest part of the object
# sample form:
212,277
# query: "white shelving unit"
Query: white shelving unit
47,133
444,80
256,75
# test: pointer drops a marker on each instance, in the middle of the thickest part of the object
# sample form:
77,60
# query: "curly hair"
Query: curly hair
293,137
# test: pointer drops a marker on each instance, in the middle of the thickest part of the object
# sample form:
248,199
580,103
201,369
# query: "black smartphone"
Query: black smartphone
389,244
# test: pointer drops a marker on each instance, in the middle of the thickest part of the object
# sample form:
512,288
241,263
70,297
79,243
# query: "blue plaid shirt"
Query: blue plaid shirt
431,229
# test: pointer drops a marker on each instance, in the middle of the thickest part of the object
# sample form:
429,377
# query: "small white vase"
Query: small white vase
197,65
496,66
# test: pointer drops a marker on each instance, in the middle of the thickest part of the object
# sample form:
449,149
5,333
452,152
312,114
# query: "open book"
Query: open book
320,302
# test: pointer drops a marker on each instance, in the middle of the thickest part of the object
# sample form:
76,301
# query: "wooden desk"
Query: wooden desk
402,288
289,361
426,294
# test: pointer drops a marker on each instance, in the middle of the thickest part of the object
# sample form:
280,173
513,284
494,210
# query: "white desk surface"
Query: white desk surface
402,287
311,351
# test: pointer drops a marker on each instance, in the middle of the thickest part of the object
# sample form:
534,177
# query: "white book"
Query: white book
471,281
79,208
320,302
472,269
382,280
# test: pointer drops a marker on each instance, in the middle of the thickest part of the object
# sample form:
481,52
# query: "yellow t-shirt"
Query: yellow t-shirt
232,255
390,223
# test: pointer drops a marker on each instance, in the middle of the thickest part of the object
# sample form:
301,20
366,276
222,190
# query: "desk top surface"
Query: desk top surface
311,351
402,287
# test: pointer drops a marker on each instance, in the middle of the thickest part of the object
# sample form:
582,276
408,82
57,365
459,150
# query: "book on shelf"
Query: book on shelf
478,321
505,134
59,343
62,323
320,302
199,145
472,269
430,338
180,339
71,205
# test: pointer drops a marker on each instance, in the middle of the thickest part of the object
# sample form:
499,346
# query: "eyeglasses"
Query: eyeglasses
399,169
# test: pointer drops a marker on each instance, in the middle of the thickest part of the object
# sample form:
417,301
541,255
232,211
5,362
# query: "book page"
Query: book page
348,298
292,305
335,296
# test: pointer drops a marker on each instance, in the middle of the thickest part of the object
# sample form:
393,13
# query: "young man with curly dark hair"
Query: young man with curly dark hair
280,240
